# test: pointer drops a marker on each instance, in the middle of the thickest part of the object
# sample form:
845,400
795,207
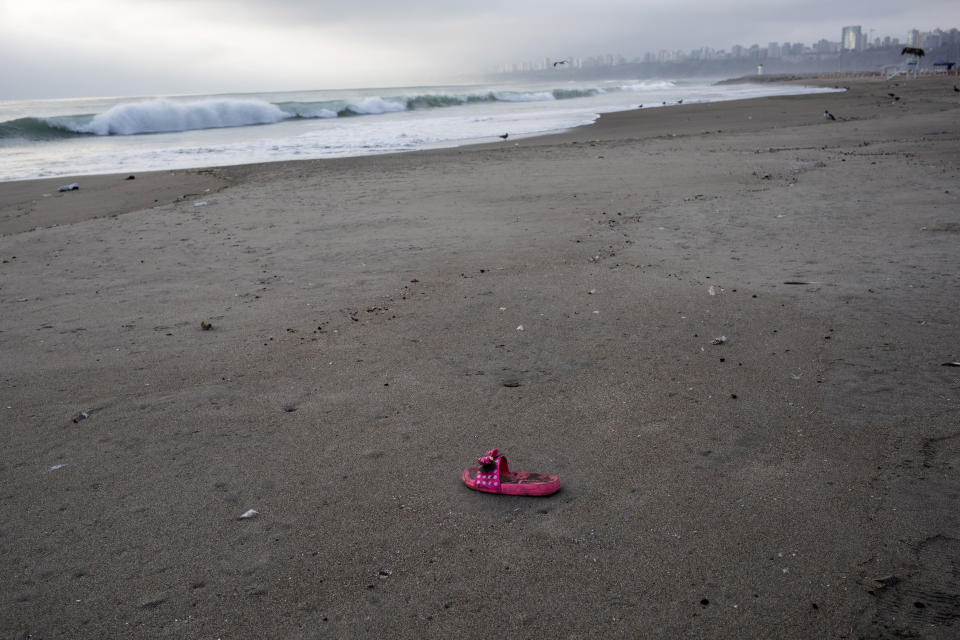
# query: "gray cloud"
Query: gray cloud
216,45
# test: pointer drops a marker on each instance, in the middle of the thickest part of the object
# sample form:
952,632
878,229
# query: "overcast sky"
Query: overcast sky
79,48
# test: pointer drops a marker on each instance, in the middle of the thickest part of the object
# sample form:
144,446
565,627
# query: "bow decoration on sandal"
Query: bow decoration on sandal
488,457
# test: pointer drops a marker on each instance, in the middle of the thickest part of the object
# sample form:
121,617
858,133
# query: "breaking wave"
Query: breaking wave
166,115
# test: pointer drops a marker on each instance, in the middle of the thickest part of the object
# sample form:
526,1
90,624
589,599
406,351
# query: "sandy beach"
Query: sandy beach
724,326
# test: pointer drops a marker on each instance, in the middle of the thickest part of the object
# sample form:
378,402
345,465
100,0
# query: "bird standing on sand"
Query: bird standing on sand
504,136
828,115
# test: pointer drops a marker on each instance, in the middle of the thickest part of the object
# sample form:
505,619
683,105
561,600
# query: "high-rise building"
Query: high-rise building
850,39
913,38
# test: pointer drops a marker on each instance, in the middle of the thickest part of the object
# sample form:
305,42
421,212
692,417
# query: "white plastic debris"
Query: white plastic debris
719,340
712,291
383,574
592,291
57,466
200,203
73,186
249,514
520,328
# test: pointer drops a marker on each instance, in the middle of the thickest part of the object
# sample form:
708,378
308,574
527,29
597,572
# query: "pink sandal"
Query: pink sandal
494,476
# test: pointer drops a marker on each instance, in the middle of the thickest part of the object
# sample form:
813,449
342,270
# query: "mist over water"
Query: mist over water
76,137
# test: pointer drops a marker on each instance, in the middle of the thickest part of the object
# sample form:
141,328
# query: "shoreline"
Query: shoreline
23,200
735,318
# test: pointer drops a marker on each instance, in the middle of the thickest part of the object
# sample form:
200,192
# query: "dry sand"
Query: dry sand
799,480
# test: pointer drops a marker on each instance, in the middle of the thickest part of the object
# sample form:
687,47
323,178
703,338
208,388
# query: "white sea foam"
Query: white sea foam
310,111
376,104
524,96
158,116
648,86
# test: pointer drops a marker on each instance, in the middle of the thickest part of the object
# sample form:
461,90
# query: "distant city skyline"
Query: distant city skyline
852,38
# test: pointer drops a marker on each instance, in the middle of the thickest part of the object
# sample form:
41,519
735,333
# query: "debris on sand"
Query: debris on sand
83,415
252,513
69,187
206,326
719,340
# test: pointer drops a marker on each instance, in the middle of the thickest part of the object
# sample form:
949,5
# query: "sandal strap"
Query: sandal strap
493,465
488,476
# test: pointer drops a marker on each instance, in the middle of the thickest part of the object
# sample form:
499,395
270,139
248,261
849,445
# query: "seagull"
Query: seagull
559,62
828,115
504,136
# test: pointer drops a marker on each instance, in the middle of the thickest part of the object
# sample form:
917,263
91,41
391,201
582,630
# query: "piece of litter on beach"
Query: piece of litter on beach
57,466
597,312
520,328
83,415
712,291
200,203
69,187
719,340
953,363
796,376
592,291
383,574
248,514
503,308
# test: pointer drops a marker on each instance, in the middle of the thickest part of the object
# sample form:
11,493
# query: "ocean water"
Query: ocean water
45,138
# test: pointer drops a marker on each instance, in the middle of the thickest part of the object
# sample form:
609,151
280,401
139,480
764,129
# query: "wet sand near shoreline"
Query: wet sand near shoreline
735,319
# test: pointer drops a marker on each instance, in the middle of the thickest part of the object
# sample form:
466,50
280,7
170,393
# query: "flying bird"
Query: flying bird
828,115
559,62
504,136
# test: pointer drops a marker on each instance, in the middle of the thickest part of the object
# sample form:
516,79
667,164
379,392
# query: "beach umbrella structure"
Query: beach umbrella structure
916,53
